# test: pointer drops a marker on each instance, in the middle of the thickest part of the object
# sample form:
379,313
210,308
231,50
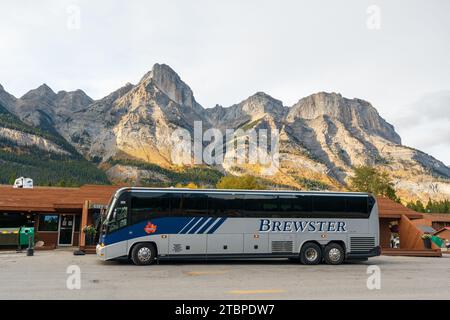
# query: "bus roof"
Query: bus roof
241,191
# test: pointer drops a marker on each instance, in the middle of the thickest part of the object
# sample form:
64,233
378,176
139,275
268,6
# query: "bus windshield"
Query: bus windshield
117,215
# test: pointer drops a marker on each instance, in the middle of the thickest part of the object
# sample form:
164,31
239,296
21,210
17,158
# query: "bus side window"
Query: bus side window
148,206
332,205
176,204
295,206
357,207
261,205
195,204
229,205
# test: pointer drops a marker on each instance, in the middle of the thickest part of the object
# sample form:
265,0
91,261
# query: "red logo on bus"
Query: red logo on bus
150,228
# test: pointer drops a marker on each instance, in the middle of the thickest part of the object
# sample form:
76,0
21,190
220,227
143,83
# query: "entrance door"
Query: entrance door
66,224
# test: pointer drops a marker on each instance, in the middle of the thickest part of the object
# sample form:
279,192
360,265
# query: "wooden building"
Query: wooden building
59,215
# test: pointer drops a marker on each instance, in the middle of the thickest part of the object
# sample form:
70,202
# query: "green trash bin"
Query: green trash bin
23,237
438,241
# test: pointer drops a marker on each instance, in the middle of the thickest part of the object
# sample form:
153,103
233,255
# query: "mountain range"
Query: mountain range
126,137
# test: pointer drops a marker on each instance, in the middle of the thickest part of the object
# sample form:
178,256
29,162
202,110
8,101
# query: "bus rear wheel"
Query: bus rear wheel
334,253
143,254
311,253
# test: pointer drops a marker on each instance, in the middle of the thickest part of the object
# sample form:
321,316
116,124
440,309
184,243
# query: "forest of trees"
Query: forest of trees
48,170
436,206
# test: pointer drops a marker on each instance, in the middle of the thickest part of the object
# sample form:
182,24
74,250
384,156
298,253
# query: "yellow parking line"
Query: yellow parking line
256,291
201,273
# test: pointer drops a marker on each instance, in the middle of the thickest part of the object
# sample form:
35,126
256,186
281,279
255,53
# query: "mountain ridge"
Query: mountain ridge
322,137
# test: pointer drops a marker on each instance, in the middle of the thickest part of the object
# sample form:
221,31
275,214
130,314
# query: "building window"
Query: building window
48,222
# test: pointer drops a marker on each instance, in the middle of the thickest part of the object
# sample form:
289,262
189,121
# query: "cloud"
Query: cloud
431,107
425,124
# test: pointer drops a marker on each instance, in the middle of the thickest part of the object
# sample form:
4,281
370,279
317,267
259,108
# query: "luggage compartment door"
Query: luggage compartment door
225,243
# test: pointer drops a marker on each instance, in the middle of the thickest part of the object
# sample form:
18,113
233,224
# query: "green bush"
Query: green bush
241,182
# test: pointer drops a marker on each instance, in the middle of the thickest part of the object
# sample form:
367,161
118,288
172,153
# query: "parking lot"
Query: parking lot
44,276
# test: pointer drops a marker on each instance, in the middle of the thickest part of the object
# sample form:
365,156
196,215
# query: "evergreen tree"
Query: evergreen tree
369,179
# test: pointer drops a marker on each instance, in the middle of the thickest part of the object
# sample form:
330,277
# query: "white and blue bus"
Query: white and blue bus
148,224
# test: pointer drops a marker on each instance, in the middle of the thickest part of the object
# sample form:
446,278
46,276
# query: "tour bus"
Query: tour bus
153,224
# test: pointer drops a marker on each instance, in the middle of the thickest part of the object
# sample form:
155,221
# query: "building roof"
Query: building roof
388,208
437,217
441,230
52,199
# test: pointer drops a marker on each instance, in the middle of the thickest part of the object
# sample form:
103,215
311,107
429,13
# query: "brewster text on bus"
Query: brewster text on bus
301,226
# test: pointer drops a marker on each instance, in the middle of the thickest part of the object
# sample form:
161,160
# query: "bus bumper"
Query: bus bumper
100,250
372,253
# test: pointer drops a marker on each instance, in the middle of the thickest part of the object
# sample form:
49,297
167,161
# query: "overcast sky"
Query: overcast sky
394,54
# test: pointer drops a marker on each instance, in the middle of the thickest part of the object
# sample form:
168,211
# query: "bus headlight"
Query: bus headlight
100,250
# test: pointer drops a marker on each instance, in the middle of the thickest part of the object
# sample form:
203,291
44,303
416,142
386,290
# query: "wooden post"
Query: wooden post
84,219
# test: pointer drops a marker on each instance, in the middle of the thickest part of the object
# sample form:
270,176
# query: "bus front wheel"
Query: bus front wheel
311,253
143,254
334,253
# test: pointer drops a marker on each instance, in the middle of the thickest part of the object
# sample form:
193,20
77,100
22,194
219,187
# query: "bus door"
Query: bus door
117,223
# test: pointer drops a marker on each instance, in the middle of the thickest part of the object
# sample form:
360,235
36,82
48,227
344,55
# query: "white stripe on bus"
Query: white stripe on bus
194,225
211,226
186,225
203,225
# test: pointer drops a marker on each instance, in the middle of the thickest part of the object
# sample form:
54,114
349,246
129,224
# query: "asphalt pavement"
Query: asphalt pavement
59,274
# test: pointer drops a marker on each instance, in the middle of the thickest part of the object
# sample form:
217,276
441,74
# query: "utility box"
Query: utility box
26,232
9,236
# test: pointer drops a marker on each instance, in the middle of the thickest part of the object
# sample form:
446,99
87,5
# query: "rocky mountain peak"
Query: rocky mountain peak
353,113
73,99
169,82
261,103
43,91
318,104
7,100
255,107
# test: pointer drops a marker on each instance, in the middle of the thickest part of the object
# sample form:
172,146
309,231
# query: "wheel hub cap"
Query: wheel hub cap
334,254
311,254
144,254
